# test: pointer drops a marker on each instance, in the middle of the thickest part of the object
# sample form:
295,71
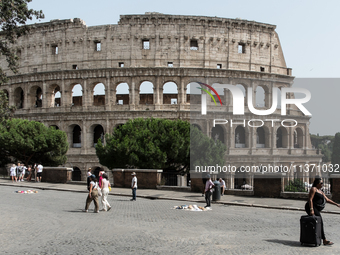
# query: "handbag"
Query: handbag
109,188
99,191
321,206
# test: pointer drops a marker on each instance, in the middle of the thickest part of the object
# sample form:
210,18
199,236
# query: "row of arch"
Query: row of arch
169,92
241,137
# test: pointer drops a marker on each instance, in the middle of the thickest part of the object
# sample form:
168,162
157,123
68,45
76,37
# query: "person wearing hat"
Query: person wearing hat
134,186
208,187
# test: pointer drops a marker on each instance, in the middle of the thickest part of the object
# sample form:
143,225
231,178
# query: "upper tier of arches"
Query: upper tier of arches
151,41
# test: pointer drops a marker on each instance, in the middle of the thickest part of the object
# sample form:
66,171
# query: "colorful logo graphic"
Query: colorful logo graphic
212,89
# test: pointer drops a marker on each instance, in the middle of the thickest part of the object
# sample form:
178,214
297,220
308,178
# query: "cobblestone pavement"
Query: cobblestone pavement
51,222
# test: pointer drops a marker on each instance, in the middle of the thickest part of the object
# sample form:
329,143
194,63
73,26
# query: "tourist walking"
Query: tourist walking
13,173
93,195
105,184
100,174
316,203
134,186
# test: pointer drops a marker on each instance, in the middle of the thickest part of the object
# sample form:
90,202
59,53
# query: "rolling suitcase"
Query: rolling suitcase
310,230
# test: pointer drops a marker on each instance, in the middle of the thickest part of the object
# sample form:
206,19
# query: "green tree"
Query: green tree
5,110
205,151
13,16
295,186
336,150
147,144
31,142
324,144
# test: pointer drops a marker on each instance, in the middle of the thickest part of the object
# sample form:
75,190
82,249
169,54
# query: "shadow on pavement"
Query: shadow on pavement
285,242
75,211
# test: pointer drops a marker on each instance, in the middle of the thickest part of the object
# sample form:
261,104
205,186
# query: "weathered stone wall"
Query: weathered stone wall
70,44
146,178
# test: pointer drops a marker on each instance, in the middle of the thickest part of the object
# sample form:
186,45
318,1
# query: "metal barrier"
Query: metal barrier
304,184
169,179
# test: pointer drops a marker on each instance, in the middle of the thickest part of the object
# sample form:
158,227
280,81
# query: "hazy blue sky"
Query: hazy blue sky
308,31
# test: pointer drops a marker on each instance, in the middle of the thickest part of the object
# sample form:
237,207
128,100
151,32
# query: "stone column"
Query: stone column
269,96
290,138
253,136
46,96
133,100
273,135
84,138
87,93
27,97
156,93
113,93
64,99
181,92
232,137
108,93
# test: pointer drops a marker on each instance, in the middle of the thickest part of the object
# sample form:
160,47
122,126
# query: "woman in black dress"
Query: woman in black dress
316,203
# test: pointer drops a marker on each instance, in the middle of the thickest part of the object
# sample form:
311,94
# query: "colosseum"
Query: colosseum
88,80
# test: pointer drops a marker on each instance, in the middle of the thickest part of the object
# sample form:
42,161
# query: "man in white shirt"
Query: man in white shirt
222,184
134,186
208,187
39,168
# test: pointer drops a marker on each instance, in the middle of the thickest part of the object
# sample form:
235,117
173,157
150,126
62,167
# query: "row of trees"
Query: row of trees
159,144
329,147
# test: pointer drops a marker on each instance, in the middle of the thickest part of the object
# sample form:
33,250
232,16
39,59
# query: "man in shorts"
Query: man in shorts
39,169
20,170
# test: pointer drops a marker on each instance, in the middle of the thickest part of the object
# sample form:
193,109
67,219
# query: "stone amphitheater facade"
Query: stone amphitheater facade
163,50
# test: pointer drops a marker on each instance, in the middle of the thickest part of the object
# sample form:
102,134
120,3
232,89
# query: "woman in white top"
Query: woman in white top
105,184
13,172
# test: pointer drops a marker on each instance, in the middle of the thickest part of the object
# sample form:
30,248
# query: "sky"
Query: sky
308,32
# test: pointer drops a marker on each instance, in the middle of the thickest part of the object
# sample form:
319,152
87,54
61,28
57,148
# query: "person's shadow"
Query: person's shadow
287,242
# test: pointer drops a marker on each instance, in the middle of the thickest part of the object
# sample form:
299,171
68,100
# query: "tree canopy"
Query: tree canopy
325,144
158,144
205,151
6,111
13,16
31,142
147,144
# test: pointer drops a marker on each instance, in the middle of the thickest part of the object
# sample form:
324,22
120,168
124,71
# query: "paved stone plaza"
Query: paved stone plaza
51,222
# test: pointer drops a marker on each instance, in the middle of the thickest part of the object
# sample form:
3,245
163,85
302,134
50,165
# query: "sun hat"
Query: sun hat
133,173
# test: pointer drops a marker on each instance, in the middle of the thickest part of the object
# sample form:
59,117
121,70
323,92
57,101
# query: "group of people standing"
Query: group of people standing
101,189
17,172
